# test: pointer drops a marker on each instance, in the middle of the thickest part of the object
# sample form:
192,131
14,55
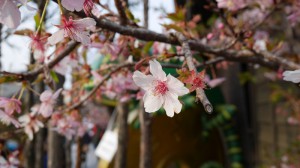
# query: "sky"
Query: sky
15,49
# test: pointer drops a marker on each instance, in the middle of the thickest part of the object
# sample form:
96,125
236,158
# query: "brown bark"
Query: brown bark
146,13
121,155
39,148
145,144
68,153
29,154
78,154
56,154
56,142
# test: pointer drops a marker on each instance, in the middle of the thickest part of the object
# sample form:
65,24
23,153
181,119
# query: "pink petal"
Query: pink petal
72,5
46,110
56,37
82,37
82,24
46,96
56,94
10,14
215,82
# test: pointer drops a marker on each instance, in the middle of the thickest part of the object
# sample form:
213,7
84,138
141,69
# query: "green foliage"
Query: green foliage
8,79
246,77
147,47
54,76
211,164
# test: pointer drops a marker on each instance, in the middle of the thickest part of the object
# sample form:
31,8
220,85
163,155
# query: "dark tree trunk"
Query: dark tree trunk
121,155
68,153
56,142
39,148
79,152
145,144
28,154
0,46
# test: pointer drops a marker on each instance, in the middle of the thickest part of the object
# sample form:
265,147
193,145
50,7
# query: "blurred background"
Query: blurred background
255,122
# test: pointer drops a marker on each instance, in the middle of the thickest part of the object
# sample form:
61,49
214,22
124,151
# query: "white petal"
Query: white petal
293,76
156,70
142,80
152,103
172,104
176,86
29,132
56,37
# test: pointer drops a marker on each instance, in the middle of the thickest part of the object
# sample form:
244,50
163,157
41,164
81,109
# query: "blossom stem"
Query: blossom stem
42,17
35,92
200,94
21,93
60,7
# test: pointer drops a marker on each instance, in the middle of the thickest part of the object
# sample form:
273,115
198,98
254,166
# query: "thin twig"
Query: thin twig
200,94
32,75
121,7
91,93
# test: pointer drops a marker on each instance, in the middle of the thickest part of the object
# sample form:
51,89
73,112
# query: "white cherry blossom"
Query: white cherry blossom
293,76
160,90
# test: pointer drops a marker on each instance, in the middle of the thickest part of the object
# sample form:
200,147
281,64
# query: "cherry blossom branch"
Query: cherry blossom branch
229,54
32,75
200,94
91,93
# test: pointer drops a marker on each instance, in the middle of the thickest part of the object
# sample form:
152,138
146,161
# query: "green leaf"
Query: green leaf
174,27
147,47
54,76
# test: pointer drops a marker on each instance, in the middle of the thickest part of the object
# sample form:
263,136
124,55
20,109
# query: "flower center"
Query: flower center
198,82
161,87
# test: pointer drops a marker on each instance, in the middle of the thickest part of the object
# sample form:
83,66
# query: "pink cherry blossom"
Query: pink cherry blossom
68,125
74,29
232,5
10,105
31,124
119,86
38,47
7,119
48,100
161,90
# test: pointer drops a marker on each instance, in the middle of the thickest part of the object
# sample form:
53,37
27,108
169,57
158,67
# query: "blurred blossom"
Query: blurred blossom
232,5
31,124
48,100
10,105
293,76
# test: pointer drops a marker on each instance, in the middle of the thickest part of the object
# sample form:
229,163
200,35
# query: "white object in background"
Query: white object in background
108,145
